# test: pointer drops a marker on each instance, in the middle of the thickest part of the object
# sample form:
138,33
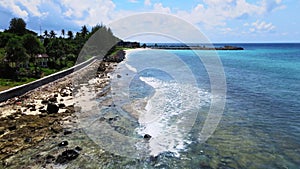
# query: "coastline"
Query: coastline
46,113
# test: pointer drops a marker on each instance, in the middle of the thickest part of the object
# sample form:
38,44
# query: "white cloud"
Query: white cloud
15,9
22,8
218,12
147,2
158,7
261,26
91,13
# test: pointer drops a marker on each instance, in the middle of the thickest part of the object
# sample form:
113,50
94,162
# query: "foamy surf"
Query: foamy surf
169,115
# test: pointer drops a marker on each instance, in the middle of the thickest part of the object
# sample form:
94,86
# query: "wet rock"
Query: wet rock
147,137
52,108
67,156
63,143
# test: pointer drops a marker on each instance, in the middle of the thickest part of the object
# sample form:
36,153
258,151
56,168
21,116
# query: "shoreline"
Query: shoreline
46,112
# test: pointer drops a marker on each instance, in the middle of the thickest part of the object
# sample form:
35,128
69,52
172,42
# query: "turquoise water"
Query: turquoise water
168,95
260,124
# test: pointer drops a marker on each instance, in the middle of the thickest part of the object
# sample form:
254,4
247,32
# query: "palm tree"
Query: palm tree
46,35
52,34
63,33
70,35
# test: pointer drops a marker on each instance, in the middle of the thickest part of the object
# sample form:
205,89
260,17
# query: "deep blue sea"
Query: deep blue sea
172,92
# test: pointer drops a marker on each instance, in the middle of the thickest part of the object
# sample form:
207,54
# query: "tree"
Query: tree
15,52
52,34
17,26
46,35
33,47
84,31
70,35
63,33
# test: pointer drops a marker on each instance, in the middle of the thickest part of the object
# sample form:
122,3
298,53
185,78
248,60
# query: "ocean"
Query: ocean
211,109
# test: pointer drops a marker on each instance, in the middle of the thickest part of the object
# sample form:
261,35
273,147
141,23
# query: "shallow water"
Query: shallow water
260,126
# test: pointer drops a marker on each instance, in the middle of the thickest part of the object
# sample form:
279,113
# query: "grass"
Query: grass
8,83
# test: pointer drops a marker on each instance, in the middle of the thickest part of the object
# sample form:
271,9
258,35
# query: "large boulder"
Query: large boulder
52,108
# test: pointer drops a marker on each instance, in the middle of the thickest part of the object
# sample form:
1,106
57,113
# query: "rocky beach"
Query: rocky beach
35,128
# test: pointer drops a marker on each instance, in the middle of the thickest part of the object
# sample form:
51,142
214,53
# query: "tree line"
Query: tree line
22,50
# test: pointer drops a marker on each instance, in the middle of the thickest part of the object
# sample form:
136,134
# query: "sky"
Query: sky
219,20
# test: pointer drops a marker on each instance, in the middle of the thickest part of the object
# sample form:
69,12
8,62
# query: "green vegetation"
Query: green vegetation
25,56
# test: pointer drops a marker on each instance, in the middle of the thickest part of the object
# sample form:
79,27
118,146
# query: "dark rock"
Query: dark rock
52,108
27,140
2,130
49,159
61,105
53,99
63,143
45,102
64,94
61,100
77,148
41,107
119,76
147,137
67,132
43,111
55,95
67,156
12,127
153,158
33,109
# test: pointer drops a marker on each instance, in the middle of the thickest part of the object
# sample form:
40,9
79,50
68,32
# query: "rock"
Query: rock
33,109
27,140
49,159
52,108
63,143
64,94
2,130
66,156
67,132
41,107
119,76
61,105
55,95
53,99
147,137
12,127
45,102
77,148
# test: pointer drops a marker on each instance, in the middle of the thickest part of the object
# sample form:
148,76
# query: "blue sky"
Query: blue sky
219,20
